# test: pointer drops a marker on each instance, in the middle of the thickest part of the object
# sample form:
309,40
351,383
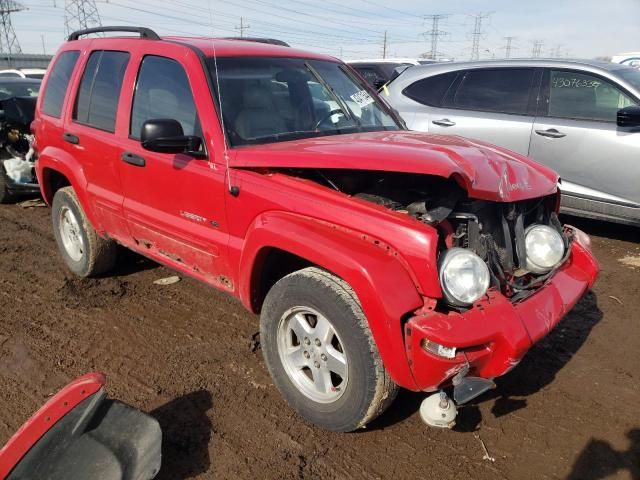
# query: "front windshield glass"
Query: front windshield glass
631,75
9,90
273,99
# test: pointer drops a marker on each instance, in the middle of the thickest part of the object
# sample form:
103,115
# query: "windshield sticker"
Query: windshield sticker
362,98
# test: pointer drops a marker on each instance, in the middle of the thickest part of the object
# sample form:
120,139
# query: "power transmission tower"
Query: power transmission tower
80,14
434,34
8,40
508,47
242,27
536,51
558,50
477,34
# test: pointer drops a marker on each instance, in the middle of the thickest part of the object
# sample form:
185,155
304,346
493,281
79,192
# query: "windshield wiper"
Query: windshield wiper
341,103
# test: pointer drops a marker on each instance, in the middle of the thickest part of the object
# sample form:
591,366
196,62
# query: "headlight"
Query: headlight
545,248
464,276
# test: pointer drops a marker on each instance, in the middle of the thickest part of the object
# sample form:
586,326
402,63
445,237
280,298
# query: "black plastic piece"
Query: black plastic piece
71,138
144,32
133,159
100,439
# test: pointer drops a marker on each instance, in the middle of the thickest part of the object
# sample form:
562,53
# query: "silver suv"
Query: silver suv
580,118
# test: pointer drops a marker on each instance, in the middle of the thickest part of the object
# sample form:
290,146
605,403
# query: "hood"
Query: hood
485,171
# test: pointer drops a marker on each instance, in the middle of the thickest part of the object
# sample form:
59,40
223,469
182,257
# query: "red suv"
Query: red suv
376,257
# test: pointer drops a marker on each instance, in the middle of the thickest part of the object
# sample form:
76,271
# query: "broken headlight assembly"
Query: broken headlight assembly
464,276
544,248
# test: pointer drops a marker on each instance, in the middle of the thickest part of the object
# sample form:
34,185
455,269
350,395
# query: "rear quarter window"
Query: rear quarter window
57,84
430,91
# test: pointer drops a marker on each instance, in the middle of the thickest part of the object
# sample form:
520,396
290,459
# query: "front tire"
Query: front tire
320,352
85,252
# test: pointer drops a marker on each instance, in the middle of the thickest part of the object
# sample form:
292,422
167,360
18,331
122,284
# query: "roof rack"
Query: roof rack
270,41
145,33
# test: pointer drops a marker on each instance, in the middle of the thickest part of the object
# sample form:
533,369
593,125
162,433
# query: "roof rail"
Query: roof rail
145,33
270,41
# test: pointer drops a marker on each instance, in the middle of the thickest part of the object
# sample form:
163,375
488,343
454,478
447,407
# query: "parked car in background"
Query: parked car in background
580,118
376,257
379,72
17,157
631,59
37,73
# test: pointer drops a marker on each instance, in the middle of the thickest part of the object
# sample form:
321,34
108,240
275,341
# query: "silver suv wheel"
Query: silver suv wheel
312,354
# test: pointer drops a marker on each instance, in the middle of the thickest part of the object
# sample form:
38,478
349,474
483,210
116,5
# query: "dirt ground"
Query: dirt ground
191,357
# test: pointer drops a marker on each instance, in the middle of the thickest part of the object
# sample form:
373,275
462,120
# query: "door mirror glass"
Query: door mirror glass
165,135
629,116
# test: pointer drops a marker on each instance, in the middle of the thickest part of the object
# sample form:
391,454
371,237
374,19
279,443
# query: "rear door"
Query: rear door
174,203
495,105
89,134
576,134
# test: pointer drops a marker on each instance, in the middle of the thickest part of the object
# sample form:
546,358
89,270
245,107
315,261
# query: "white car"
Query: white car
24,73
631,58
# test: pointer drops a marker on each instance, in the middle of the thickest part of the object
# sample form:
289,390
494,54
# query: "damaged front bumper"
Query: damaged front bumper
491,337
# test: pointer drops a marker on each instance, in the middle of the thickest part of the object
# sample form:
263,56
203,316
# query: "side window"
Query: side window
163,91
99,91
58,82
500,91
582,96
430,91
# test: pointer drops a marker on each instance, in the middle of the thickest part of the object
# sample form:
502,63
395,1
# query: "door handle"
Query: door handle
445,122
133,159
71,138
551,133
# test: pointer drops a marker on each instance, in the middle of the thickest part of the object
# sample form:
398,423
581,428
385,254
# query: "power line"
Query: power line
80,14
8,40
477,34
434,34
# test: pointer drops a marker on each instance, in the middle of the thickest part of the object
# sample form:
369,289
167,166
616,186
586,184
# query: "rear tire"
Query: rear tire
85,252
320,352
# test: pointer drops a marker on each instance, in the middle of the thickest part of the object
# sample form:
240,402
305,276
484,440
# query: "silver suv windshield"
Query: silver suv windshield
274,99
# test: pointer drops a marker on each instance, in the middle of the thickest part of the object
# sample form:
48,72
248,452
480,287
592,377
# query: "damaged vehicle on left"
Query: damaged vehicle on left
17,156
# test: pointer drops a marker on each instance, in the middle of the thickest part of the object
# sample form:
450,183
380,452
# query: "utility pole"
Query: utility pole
384,46
44,50
508,47
558,50
477,34
242,27
537,48
80,14
434,34
8,40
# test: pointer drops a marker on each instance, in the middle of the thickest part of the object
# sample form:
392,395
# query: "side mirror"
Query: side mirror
629,116
165,135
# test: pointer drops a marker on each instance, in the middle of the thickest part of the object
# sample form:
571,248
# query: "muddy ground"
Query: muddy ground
188,355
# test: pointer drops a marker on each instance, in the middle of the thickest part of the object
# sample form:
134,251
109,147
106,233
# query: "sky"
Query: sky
356,28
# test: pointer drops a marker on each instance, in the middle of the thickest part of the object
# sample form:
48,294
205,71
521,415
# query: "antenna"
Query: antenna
8,40
80,15
233,190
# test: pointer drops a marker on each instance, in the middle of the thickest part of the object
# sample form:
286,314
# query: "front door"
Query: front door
576,135
174,203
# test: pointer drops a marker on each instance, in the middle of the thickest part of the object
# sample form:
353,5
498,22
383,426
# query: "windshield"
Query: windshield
9,90
631,75
274,99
